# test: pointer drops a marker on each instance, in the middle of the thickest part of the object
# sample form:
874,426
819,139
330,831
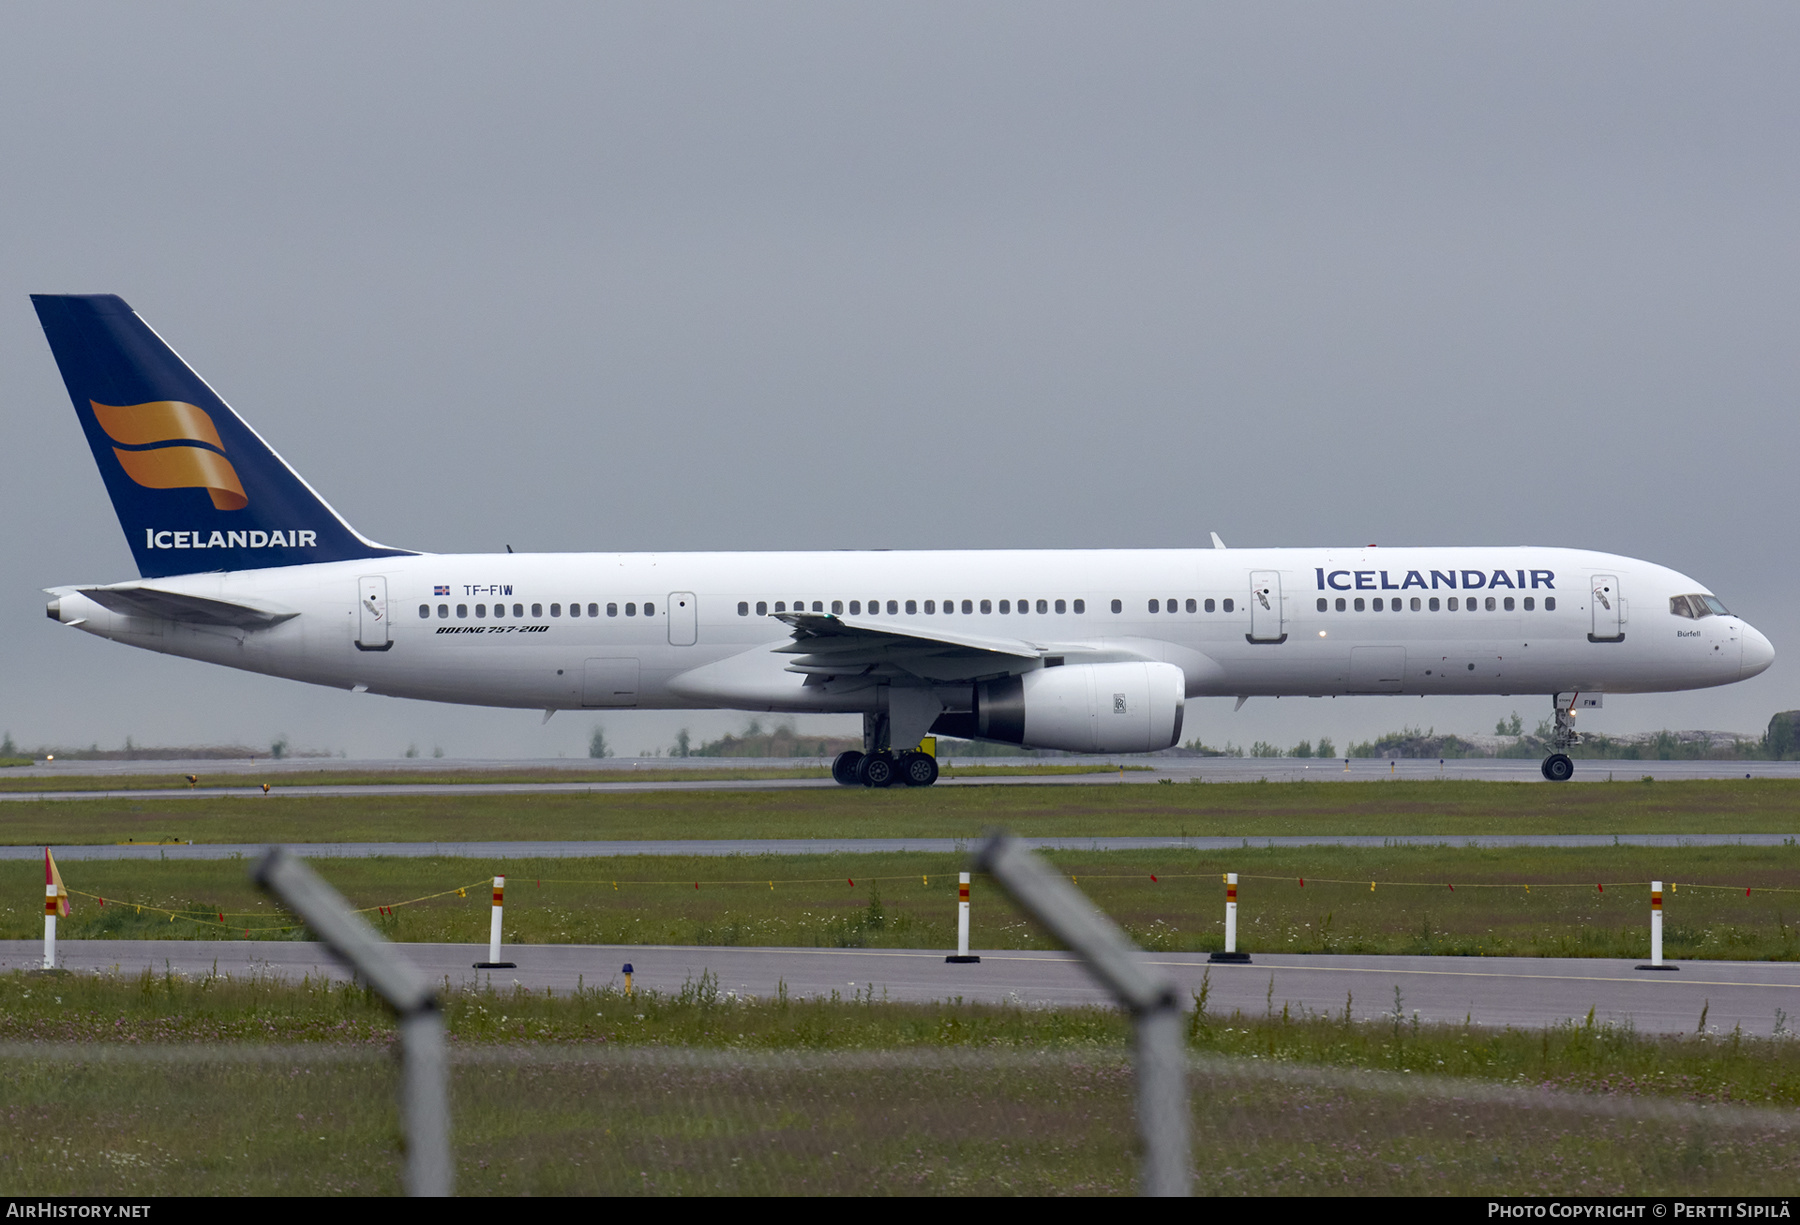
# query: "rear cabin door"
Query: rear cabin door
1265,607
684,620
372,615
1608,609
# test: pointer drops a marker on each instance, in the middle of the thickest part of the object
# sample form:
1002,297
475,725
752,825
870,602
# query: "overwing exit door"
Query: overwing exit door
372,615
684,619
1265,607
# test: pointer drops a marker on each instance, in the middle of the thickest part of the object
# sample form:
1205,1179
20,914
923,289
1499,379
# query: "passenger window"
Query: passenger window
1509,603
968,607
575,609
1342,604
1192,605
424,611
443,610
1230,605
1434,603
743,608
780,605
893,608
1043,606
1359,603
1152,605
1415,603
837,608
631,610
818,607
1209,606
1005,607
1471,604
1490,603
1377,604
1453,605
480,610
1322,604
462,610
930,607
649,609
537,610
912,608
1118,606
987,606
1061,607
1530,604
518,610
762,608
1549,603
594,610
556,610
499,610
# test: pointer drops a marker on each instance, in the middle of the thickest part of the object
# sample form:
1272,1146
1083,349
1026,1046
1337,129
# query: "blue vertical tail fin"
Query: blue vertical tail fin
194,487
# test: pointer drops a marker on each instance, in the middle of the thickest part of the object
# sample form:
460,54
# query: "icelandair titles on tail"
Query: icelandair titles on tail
241,563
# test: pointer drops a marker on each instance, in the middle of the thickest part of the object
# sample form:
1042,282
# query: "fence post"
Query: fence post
1159,1051
1656,911
425,1059
49,927
1231,954
493,962
962,923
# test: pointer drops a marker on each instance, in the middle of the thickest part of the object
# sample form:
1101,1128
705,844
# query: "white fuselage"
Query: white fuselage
684,630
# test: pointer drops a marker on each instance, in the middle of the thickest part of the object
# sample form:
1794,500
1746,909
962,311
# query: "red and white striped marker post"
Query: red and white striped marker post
1656,911
493,962
962,922
50,908
1230,954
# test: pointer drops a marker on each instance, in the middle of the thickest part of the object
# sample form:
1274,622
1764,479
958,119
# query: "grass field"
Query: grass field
158,1085
289,779
1427,899
1449,808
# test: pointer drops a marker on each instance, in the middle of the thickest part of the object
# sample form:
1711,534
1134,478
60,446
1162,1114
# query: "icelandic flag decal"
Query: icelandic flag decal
440,590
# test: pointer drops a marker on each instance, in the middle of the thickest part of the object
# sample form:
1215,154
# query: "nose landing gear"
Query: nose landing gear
1558,767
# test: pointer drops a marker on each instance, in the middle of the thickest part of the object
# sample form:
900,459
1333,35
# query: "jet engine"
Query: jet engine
1084,708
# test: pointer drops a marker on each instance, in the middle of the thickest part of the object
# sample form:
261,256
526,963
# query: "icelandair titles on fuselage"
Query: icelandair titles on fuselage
1472,580
297,539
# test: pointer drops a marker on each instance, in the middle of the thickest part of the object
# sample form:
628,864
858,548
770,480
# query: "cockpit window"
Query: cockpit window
1697,606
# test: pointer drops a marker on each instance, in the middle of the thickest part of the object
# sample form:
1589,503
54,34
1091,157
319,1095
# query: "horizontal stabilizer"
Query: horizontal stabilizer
138,601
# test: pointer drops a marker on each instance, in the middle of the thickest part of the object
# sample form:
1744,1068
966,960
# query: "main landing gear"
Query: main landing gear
1557,767
880,766
884,769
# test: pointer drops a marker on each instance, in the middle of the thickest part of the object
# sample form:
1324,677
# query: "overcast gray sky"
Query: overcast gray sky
580,276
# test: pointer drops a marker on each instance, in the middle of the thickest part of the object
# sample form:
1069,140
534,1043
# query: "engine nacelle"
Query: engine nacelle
1085,708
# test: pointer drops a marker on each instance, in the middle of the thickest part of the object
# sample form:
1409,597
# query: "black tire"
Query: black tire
918,769
1558,768
843,768
876,770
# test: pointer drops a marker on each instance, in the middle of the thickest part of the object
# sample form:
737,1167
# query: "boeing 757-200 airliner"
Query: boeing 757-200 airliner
242,564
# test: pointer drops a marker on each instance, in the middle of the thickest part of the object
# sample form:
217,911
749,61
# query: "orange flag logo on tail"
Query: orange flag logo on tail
172,445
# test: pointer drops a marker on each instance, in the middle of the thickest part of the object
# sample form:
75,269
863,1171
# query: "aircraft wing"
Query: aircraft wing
829,645
140,601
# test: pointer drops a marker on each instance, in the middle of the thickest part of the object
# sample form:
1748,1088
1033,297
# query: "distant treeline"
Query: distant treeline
142,752
1781,741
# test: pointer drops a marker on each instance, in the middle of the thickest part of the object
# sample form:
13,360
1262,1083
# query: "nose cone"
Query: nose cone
1759,653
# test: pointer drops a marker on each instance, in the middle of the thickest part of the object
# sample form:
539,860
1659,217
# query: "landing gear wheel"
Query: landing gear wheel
843,769
918,769
1558,768
876,770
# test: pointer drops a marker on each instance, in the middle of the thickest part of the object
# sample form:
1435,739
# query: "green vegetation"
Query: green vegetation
907,900
159,1085
1447,808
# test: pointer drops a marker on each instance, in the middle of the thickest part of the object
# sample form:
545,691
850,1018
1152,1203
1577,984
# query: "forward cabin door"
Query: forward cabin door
1608,609
684,619
372,615
1265,607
